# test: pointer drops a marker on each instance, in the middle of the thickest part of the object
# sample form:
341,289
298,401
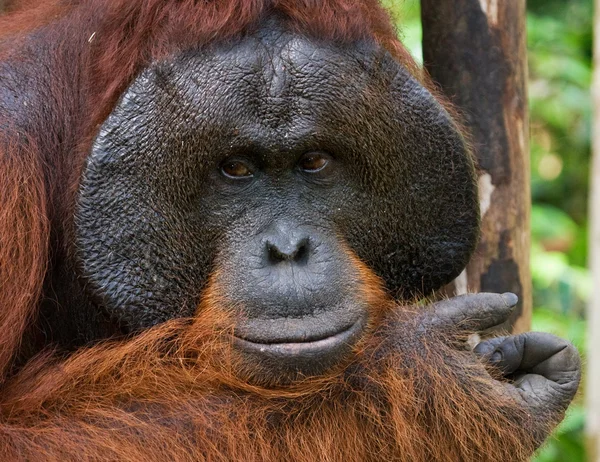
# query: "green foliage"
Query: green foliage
560,75
567,443
560,54
559,284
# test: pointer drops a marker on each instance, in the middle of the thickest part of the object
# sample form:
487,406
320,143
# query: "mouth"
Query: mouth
307,347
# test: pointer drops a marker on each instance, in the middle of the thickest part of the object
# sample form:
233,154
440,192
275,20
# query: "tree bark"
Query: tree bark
593,363
476,51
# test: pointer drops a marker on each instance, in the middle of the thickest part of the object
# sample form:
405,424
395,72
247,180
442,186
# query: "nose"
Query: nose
291,247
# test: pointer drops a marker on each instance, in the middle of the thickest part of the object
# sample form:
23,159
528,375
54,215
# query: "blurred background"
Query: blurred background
560,74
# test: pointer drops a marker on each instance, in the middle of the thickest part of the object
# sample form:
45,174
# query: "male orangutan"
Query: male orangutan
215,219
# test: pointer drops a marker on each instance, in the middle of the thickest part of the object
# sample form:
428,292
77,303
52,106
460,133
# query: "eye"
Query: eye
236,169
314,162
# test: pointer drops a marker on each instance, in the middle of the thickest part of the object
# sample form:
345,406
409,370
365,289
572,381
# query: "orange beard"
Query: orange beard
175,393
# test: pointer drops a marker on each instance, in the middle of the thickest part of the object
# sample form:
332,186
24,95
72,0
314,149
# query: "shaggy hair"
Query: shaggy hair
178,391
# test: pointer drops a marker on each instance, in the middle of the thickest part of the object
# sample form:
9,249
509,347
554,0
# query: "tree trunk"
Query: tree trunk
476,51
593,363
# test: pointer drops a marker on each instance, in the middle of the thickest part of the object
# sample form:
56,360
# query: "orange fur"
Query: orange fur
174,393
24,233
77,57
179,391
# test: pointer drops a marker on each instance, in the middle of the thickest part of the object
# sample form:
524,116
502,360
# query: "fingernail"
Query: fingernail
496,357
510,298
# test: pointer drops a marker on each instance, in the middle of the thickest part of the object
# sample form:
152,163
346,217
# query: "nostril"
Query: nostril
288,251
302,252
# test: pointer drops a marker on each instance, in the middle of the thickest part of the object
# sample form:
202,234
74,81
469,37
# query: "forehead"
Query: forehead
274,68
271,79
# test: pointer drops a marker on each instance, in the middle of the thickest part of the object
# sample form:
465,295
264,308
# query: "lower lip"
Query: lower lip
346,337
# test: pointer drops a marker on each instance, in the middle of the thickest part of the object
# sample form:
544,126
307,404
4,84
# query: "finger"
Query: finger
548,368
533,352
504,353
473,312
546,372
550,356
543,396
487,347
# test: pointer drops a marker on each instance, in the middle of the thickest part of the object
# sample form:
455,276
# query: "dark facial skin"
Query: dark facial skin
260,170
268,159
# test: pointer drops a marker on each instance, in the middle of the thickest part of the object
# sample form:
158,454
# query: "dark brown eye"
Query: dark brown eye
313,162
236,169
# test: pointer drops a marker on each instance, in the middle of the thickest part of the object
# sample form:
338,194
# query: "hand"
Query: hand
544,370
541,370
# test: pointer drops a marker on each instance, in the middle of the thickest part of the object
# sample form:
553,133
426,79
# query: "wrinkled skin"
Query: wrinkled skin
542,371
265,168
280,234
272,212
